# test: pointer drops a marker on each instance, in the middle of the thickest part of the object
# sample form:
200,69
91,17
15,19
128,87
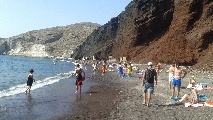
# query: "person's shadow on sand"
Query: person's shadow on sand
169,105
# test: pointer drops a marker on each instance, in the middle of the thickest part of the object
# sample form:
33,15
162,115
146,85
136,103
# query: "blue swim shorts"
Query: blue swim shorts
148,87
176,82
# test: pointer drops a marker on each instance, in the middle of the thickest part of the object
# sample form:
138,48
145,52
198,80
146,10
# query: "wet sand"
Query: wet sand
45,103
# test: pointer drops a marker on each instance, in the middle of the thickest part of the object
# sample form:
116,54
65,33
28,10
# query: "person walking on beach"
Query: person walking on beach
120,70
176,82
171,73
104,68
95,67
148,83
78,73
30,81
129,70
158,68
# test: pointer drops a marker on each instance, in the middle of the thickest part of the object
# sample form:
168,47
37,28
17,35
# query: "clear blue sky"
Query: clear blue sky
20,16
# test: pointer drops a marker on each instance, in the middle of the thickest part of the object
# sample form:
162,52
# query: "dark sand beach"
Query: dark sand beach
121,98
106,98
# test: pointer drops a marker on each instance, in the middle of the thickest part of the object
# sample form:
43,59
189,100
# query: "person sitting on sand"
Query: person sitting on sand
78,73
176,82
193,98
30,81
148,82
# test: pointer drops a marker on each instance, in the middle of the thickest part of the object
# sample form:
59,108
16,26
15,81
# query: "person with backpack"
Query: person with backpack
148,83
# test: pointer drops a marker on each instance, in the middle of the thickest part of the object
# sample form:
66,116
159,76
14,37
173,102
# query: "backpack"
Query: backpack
150,74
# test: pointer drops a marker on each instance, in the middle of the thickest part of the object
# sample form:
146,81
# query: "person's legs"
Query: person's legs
80,88
186,96
173,87
150,91
28,89
178,87
144,94
144,98
149,99
178,91
76,89
170,80
173,91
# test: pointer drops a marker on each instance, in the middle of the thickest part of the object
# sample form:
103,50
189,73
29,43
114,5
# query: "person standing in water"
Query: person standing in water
79,78
30,81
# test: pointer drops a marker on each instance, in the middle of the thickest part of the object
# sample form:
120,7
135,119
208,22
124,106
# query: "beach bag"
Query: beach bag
150,74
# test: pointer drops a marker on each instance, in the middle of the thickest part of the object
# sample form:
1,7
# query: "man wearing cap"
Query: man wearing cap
148,83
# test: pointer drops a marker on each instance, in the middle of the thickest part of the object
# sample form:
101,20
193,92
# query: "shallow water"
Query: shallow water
52,95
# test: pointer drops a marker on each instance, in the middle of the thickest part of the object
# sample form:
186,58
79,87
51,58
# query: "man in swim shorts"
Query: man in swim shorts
176,82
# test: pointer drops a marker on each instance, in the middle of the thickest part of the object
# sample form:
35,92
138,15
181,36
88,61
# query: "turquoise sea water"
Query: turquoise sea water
14,71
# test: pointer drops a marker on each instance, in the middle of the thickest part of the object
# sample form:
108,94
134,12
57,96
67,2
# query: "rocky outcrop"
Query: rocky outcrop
166,31
3,47
56,41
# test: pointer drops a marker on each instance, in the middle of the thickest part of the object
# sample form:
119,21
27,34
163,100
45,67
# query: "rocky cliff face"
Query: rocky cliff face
56,41
165,31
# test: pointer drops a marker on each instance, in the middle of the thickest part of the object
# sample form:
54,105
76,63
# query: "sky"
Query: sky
20,16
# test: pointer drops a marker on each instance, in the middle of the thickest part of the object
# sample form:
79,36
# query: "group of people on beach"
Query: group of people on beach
176,75
149,78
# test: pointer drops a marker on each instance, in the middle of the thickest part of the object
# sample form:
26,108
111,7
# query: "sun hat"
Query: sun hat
149,63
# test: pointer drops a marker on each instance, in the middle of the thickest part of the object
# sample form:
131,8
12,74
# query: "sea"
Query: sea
14,71
52,94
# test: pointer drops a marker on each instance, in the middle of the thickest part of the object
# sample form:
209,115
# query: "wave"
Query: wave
20,88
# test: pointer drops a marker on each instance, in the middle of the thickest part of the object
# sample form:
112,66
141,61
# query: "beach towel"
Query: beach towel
199,104
174,99
126,76
208,88
79,82
206,83
202,98
209,104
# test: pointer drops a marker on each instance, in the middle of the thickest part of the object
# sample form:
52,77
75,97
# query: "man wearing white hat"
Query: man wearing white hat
148,82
